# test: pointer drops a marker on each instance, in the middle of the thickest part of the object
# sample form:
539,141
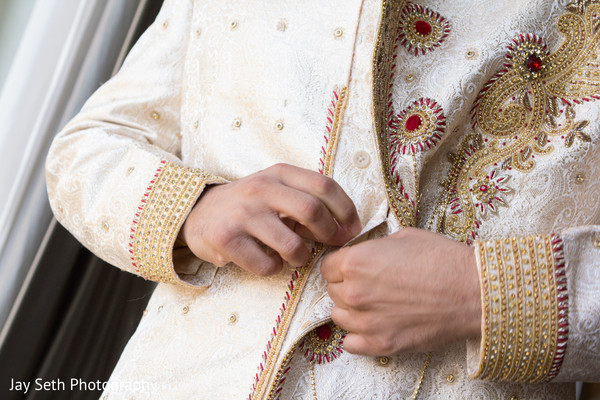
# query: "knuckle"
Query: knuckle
383,345
293,246
267,267
312,209
324,185
256,184
224,238
354,298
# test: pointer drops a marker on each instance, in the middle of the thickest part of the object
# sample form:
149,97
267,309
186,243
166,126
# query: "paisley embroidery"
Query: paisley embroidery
421,30
531,99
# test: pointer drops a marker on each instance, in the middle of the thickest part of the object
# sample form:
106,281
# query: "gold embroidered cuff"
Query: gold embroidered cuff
524,307
169,198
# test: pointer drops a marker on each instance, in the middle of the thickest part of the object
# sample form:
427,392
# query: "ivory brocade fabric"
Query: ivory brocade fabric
475,119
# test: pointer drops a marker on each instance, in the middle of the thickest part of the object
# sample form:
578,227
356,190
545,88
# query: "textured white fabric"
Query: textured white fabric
221,76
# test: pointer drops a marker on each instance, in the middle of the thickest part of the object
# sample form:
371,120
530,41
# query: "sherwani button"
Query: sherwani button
362,159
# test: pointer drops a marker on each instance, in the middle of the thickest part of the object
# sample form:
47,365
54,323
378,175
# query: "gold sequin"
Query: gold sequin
236,123
282,25
196,124
155,115
279,125
597,241
233,25
233,318
383,361
338,32
580,178
165,24
129,170
105,226
471,54
450,378
185,310
198,32
409,78
160,308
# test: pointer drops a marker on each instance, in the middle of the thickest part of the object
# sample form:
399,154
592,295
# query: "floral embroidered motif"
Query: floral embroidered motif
529,101
323,344
421,30
489,192
417,128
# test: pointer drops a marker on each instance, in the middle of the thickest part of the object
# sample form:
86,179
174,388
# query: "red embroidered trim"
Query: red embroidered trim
328,129
282,310
139,212
334,114
563,305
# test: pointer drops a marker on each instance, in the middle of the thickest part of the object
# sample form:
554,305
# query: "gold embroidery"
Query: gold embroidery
270,374
323,344
385,49
530,100
421,30
521,310
163,210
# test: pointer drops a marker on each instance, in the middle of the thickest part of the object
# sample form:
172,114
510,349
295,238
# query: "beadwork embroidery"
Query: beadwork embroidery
323,344
170,195
417,128
421,30
529,101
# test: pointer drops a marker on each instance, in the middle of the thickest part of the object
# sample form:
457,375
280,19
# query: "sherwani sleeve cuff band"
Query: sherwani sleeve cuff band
524,309
169,198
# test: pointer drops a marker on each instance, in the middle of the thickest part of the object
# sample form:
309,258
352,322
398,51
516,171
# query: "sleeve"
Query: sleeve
114,176
540,308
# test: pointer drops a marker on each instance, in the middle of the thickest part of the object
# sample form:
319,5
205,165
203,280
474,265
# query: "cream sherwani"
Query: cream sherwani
475,119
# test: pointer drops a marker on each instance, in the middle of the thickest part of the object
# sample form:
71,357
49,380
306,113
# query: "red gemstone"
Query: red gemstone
324,332
534,63
483,188
423,27
412,123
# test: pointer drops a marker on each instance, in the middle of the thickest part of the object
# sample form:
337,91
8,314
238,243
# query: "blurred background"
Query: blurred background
63,313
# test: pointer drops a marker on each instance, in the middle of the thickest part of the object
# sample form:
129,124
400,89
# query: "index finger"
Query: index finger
328,191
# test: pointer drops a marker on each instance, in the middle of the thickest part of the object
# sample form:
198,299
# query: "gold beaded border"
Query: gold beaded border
524,307
168,199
